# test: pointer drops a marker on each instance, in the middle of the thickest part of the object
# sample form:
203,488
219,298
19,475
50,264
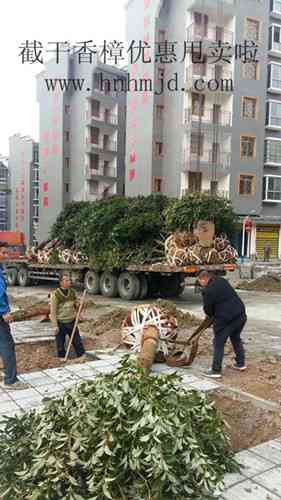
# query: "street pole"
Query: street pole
243,240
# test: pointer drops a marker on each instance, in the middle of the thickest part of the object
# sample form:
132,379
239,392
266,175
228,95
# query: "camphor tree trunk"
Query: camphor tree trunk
37,310
150,343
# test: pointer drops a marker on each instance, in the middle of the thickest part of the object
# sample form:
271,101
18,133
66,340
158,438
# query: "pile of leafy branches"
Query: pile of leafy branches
183,214
122,436
119,231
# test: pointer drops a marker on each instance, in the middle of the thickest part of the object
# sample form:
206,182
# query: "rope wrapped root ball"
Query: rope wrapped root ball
220,252
144,316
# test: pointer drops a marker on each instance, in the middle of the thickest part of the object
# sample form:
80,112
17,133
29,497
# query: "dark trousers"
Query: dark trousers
7,353
233,331
64,330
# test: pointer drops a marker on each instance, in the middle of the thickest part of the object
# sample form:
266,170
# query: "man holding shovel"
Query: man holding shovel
221,302
64,306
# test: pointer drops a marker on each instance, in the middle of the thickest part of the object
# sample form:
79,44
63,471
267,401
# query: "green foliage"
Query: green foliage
182,214
119,231
67,225
122,436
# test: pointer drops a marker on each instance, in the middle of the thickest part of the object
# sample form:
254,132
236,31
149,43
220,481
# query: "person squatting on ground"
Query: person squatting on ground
7,344
64,306
221,302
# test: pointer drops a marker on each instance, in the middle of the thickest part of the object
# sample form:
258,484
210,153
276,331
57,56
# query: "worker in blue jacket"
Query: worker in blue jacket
7,344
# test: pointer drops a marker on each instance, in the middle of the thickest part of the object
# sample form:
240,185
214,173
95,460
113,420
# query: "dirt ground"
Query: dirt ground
247,425
262,284
42,355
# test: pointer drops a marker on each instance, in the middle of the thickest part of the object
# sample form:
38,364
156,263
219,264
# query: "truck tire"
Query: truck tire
143,287
23,278
12,277
92,282
129,286
170,286
108,285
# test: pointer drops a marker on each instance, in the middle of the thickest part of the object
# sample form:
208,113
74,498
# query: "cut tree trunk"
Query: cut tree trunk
150,343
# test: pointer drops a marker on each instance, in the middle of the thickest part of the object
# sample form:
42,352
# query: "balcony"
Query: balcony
110,146
104,118
208,34
208,117
102,146
220,193
214,79
208,158
227,7
100,170
104,95
275,10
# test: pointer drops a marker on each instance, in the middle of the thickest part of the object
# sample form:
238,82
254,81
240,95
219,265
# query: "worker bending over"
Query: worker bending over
64,306
221,302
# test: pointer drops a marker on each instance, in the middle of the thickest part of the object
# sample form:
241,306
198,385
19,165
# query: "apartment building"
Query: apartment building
219,131
82,135
24,183
4,194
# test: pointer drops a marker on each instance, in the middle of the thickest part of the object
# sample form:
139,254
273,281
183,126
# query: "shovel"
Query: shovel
185,358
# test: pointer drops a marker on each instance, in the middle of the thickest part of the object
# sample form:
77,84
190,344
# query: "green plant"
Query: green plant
182,214
123,436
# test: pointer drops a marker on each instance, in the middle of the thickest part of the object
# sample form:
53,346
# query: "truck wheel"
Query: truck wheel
23,278
108,285
92,282
12,277
143,287
129,286
170,286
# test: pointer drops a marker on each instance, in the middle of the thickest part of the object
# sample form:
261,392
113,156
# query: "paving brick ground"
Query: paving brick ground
260,478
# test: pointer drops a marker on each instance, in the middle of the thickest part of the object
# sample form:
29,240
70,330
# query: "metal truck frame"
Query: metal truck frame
133,283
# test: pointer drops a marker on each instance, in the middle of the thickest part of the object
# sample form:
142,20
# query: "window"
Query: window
67,188
36,156
274,76
251,71
196,144
273,114
249,107
272,188
159,112
67,162
160,73
246,184
67,109
67,135
157,185
276,6
95,108
252,30
198,103
159,148
248,147
272,154
161,36
275,38
194,181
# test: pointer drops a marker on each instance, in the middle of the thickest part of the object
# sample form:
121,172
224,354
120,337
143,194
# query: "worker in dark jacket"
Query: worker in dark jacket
221,302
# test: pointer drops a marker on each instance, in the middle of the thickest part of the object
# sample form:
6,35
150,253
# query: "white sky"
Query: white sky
54,20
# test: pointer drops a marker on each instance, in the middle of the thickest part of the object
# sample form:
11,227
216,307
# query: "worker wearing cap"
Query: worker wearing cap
63,312
221,302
